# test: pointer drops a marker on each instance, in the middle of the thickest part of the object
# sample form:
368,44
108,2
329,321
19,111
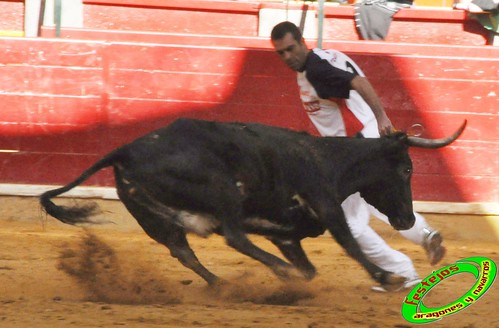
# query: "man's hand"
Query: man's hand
385,126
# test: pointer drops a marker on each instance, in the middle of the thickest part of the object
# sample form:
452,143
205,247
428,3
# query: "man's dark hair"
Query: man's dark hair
281,29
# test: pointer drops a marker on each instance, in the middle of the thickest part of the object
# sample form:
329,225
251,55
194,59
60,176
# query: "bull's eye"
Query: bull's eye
408,171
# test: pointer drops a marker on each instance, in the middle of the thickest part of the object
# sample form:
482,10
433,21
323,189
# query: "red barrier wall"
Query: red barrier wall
414,25
65,102
139,64
11,15
240,19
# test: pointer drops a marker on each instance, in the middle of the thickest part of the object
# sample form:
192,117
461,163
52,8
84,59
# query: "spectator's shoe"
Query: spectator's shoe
432,244
408,285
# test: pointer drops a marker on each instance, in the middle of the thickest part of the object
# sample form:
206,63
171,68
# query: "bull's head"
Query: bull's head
390,188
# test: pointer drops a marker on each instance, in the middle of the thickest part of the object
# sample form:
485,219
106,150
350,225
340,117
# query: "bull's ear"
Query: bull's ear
399,141
398,136
359,135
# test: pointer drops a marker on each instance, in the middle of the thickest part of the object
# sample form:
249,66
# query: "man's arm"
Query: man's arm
366,91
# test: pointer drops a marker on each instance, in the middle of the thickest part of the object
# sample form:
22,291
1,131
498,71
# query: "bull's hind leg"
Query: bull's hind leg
174,238
156,220
178,245
293,251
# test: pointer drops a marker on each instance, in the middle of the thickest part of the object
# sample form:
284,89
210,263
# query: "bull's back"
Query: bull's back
201,137
202,152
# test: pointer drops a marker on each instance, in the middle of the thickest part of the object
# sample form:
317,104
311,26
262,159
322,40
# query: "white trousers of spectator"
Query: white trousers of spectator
329,122
357,213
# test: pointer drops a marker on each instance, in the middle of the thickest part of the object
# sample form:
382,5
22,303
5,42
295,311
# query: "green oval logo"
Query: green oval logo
483,269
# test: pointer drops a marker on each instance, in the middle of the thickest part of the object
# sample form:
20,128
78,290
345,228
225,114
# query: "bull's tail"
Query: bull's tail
75,214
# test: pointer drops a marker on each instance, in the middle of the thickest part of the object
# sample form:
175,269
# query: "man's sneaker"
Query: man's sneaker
408,285
432,244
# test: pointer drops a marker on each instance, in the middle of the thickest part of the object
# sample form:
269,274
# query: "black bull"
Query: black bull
233,178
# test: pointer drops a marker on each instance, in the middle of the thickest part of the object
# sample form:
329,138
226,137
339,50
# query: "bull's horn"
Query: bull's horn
435,143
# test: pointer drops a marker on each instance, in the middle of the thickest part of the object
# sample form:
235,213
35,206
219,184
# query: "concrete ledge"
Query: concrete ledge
110,193
306,19
457,208
78,192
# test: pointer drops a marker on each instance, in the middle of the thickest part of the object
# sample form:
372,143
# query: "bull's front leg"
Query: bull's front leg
335,221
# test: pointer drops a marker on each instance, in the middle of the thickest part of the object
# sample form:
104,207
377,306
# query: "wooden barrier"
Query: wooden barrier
241,19
11,18
66,103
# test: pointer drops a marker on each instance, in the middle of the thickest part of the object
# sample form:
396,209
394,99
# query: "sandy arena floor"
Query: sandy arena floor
55,275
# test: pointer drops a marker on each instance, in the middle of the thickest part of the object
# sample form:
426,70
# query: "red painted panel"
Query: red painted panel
51,80
137,111
250,43
174,58
201,5
157,37
35,51
84,139
240,19
413,49
49,168
264,62
11,15
170,20
440,31
147,115
131,89
480,128
431,66
468,32
292,117
470,159
259,91
44,114
442,96
181,87
173,86
453,96
454,188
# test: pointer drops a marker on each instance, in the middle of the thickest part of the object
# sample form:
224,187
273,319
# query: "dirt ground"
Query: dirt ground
112,275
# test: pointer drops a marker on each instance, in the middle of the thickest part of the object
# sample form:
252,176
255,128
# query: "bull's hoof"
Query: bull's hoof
309,275
308,272
388,278
214,281
394,279
218,284
287,272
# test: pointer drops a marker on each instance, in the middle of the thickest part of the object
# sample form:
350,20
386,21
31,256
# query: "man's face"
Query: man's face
292,52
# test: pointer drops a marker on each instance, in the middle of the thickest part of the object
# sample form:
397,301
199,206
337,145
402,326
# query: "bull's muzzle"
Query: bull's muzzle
403,223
